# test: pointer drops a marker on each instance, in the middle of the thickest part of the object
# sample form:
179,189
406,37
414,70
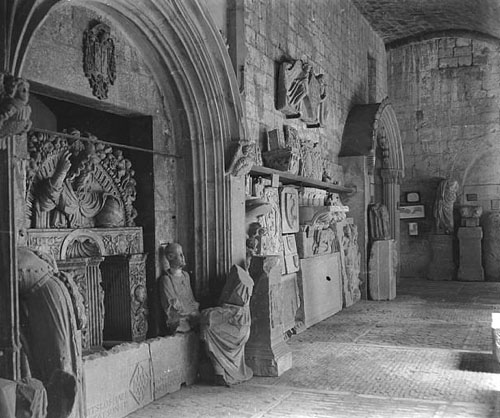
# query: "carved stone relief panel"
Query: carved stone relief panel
99,64
75,182
271,240
302,93
289,209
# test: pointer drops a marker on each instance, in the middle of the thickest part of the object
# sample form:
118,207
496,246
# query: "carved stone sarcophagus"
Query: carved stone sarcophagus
79,204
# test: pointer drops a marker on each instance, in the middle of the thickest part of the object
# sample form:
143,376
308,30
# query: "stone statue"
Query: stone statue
52,313
379,222
15,112
446,195
226,329
176,296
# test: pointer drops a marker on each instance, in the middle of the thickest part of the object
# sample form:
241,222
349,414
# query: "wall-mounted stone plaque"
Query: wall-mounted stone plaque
289,209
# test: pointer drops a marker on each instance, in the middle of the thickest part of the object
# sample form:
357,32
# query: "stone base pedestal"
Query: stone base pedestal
266,352
383,267
470,262
442,266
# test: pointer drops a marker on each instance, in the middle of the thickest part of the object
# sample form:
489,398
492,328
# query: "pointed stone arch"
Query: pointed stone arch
190,64
375,125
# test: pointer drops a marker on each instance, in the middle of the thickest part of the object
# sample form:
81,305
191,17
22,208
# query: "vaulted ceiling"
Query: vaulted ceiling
401,21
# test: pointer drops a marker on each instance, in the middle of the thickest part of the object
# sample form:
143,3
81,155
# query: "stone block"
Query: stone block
495,330
174,362
291,300
465,61
491,245
442,266
117,382
470,262
383,267
320,280
266,353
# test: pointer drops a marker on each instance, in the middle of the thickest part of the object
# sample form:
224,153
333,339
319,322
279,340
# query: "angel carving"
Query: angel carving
294,87
99,62
14,109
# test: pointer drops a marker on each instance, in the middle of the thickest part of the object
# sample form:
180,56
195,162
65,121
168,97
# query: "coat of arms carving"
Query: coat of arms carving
99,63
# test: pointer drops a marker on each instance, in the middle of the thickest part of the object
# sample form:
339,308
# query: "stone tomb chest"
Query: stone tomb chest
79,201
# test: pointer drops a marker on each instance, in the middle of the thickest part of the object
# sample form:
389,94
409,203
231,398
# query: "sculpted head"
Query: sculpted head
175,255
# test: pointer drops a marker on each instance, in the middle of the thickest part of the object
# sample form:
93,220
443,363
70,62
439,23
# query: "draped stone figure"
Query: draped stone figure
52,312
15,112
225,329
446,195
176,296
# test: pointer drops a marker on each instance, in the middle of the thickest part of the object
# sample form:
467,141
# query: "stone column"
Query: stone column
392,179
266,352
382,270
470,262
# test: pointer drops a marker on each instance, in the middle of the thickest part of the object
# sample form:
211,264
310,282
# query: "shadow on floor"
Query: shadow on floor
479,363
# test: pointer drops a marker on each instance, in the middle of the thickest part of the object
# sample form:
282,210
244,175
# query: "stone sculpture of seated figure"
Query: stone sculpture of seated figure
225,329
176,296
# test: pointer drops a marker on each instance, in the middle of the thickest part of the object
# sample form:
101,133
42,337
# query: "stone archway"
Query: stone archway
190,64
368,127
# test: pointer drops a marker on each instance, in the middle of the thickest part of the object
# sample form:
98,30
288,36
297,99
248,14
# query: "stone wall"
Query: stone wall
446,94
334,38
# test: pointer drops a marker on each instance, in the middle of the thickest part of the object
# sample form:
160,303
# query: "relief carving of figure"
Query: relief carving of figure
225,329
352,260
52,312
446,195
176,297
15,112
379,222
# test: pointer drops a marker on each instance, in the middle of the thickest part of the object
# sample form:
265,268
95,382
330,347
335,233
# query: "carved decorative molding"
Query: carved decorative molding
110,241
73,182
99,63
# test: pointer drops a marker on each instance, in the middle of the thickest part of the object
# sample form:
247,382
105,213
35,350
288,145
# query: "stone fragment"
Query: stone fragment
383,267
442,266
470,267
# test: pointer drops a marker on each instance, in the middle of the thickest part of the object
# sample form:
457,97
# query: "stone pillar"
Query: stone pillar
266,352
442,266
13,157
470,267
382,270
392,179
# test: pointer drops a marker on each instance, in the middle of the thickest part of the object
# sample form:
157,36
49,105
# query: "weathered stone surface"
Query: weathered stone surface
320,282
495,330
118,382
174,361
469,264
491,246
266,353
383,267
442,266
291,300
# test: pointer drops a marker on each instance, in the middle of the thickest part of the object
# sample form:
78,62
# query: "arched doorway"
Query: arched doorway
371,148
191,67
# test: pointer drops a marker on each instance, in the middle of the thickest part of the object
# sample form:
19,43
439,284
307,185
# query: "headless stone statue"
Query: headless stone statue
379,222
446,195
51,316
226,329
176,296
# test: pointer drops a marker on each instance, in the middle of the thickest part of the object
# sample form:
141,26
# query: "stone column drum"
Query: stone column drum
383,270
470,267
